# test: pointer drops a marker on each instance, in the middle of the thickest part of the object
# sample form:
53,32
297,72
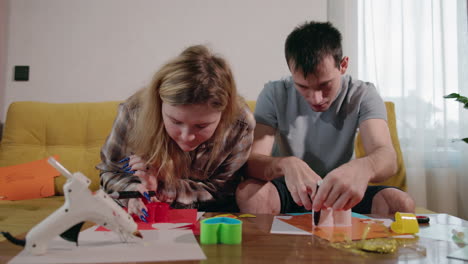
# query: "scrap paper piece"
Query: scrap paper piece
182,216
281,227
188,216
195,227
28,180
226,215
106,247
247,216
333,234
200,214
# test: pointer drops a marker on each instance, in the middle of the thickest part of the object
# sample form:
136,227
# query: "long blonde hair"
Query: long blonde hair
196,76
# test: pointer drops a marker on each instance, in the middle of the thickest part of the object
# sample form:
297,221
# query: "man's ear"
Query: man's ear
344,65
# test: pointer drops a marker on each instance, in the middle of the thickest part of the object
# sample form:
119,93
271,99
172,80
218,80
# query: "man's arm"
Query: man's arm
260,164
300,179
381,156
345,186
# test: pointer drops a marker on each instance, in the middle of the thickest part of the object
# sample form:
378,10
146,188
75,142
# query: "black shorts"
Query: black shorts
226,205
289,206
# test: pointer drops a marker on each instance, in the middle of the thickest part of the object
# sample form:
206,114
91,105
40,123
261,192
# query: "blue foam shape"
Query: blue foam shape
222,220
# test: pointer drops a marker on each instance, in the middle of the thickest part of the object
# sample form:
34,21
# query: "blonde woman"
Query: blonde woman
184,136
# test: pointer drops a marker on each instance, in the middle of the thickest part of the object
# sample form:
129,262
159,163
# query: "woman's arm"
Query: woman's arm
115,149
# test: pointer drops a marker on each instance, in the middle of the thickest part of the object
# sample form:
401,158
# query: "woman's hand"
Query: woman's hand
136,205
137,166
147,174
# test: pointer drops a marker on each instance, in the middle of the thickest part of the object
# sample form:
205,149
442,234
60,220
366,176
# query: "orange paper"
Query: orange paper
27,181
340,233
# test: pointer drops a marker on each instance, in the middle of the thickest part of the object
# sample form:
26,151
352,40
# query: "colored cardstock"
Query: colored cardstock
339,233
168,215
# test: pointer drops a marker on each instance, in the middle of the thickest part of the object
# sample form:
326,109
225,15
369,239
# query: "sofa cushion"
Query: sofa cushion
73,131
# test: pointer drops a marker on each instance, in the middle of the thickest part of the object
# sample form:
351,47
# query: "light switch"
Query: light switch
21,73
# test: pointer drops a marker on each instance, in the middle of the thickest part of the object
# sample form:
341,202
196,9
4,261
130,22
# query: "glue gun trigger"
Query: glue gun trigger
72,233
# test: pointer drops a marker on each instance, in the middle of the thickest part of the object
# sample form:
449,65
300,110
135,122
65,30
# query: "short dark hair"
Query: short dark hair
309,43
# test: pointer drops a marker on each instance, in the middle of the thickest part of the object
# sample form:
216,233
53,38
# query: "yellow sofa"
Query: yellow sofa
35,130
75,132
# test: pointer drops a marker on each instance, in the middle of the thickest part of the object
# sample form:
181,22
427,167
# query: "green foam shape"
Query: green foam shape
221,230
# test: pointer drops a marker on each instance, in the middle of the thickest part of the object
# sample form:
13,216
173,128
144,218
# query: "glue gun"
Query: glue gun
80,205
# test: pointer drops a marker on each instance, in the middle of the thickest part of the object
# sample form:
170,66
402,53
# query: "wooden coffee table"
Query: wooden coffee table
259,246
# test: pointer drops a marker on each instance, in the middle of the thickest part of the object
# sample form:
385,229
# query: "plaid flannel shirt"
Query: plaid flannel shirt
190,191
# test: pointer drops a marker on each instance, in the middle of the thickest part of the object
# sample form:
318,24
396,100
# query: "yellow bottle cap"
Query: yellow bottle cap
405,223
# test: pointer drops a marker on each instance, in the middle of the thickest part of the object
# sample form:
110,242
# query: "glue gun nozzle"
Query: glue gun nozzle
138,234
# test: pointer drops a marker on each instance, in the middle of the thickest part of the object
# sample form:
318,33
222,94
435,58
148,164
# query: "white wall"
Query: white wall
3,52
343,15
91,50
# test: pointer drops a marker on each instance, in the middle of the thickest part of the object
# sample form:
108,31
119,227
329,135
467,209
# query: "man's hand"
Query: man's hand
343,187
300,180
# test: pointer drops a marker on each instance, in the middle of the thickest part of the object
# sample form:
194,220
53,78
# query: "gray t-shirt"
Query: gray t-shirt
324,140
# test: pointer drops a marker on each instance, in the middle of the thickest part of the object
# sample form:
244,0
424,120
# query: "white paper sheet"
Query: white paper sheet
199,215
99,247
280,227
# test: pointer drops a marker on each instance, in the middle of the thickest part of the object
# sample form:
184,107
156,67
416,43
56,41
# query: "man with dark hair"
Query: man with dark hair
306,126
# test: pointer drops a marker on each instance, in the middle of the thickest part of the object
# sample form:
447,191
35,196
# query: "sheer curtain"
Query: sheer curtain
416,52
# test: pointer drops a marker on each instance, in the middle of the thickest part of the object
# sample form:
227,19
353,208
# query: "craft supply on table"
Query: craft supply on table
247,216
405,223
221,230
422,219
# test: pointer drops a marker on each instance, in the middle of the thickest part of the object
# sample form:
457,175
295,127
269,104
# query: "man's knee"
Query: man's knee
252,190
254,196
393,200
247,188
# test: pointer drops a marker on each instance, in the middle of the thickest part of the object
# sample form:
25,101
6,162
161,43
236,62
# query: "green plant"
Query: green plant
461,99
